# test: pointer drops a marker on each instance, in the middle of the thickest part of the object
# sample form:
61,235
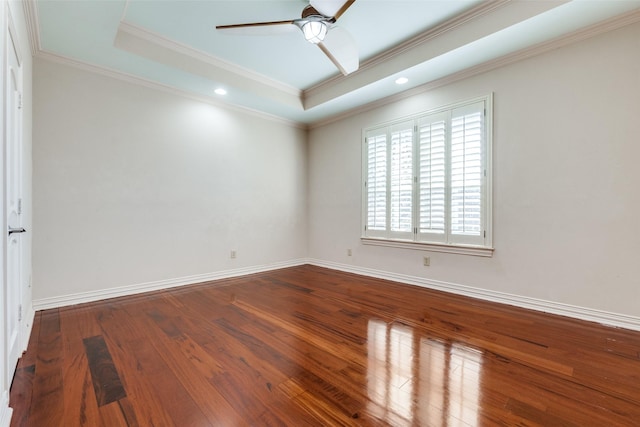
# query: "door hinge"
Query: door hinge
19,206
19,100
485,233
415,230
20,313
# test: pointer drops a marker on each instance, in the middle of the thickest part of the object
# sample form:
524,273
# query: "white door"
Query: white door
13,193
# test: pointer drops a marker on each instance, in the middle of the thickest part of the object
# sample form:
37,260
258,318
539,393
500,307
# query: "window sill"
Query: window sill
433,247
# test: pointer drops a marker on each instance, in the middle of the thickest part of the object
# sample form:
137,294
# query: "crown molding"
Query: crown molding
183,49
482,9
132,79
608,25
474,13
33,25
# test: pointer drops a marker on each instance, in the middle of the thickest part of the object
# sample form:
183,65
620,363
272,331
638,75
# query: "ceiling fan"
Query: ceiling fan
317,25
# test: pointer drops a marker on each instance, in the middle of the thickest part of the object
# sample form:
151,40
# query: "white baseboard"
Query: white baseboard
5,410
82,297
582,313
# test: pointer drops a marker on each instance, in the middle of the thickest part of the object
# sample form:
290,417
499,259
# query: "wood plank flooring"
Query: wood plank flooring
307,346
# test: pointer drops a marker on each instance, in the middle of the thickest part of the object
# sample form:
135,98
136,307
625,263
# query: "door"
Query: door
13,192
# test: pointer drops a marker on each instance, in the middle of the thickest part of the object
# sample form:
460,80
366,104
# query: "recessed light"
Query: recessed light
220,91
401,80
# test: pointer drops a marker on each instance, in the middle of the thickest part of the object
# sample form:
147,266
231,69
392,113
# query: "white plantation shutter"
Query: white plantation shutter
376,179
432,177
427,179
401,180
467,139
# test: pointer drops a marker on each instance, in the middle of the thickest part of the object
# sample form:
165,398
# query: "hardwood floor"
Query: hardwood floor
307,346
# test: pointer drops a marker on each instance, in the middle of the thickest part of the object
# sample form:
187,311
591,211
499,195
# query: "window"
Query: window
427,179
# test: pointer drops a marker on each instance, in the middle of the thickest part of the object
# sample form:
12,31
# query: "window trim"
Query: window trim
485,250
431,247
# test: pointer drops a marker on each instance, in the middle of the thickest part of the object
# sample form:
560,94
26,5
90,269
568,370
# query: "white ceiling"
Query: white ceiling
174,43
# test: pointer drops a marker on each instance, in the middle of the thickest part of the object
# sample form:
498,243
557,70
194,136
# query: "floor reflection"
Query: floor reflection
416,380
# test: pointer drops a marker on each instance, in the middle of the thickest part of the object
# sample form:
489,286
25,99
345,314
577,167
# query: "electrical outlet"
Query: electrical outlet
233,254
348,252
426,261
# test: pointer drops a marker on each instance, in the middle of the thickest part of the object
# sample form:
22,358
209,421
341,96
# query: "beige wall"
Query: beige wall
566,176
134,185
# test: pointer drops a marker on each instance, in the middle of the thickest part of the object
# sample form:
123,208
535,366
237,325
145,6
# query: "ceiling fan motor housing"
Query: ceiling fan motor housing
310,11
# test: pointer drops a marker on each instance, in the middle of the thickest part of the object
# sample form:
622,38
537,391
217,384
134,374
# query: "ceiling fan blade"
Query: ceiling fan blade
253,24
260,30
341,49
343,9
331,8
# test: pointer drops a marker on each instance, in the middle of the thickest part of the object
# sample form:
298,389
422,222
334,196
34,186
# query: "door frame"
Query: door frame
13,188
5,383
10,38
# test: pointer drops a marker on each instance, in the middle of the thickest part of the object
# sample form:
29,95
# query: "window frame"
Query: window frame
413,240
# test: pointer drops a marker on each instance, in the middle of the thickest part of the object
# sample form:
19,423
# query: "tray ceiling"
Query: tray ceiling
174,44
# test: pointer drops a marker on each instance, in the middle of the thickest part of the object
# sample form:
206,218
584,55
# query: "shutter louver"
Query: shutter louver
377,182
432,181
401,180
466,172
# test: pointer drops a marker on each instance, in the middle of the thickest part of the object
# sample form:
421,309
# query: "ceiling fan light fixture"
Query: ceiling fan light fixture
314,31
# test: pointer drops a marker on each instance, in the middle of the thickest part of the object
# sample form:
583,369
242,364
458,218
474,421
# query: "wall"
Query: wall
136,186
566,177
